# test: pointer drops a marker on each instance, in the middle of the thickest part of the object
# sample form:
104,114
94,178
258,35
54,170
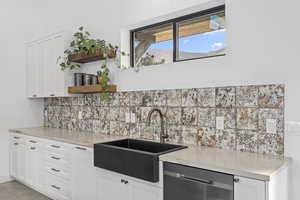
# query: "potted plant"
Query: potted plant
85,49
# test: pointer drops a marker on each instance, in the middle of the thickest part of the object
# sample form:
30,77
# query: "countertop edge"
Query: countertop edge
233,172
173,159
16,131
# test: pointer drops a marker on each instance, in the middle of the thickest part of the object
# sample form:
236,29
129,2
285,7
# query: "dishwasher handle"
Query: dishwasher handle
184,177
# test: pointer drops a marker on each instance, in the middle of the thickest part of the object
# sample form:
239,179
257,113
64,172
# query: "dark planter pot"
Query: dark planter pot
78,79
87,79
94,80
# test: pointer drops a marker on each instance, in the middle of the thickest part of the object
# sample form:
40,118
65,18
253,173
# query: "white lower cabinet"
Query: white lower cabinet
146,192
249,189
83,173
57,188
66,172
34,163
114,186
13,158
21,162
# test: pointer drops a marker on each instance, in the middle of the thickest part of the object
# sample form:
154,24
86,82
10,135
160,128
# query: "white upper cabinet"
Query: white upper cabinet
32,72
44,77
249,189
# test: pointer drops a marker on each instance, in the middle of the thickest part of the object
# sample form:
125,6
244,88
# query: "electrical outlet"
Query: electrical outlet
220,123
80,115
127,117
132,117
271,126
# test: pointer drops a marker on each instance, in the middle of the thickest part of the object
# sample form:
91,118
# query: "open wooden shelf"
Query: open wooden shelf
89,89
86,58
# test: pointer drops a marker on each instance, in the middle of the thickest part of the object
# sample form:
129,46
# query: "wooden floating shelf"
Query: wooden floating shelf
86,58
89,89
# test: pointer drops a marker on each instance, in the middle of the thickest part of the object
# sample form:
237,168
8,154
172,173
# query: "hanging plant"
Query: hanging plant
84,46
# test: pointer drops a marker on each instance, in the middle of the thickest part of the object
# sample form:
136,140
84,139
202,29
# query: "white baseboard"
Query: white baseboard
5,179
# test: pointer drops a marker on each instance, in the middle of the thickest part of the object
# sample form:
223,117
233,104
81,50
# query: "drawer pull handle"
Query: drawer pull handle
55,170
124,181
55,187
55,146
81,148
16,137
236,180
55,158
32,148
32,141
16,143
52,95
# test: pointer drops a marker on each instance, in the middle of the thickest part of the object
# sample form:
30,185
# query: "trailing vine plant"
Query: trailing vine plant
82,43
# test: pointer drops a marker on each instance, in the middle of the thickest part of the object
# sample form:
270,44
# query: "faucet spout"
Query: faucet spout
163,136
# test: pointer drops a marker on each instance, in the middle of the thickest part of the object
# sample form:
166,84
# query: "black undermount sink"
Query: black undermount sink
136,158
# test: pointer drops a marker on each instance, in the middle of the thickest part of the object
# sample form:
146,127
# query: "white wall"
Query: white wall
16,21
263,43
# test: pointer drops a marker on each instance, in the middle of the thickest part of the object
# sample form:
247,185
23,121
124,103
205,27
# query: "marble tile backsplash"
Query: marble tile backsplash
190,114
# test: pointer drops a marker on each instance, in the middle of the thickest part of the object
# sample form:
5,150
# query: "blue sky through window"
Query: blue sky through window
199,43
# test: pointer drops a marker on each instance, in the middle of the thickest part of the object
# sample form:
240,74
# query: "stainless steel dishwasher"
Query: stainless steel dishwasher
182,182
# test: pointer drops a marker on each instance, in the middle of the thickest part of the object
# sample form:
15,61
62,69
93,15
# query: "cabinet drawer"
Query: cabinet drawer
31,141
57,148
57,159
58,171
57,187
15,138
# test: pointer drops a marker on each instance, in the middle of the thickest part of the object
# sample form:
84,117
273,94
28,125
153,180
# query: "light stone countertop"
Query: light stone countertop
244,164
249,165
87,139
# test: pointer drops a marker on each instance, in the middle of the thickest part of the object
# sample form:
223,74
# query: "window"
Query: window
199,35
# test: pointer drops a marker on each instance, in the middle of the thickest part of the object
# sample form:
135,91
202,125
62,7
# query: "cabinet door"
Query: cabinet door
58,49
144,191
13,158
83,174
49,75
31,71
249,189
111,187
34,164
39,69
54,80
21,162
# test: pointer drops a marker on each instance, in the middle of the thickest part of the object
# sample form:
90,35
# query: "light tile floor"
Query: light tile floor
16,191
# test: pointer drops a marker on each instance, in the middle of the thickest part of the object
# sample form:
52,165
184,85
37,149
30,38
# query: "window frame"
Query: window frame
175,29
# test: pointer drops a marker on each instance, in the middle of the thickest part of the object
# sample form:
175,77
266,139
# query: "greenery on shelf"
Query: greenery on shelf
82,43
103,77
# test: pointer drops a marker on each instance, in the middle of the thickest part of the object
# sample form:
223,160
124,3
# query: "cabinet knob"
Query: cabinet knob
32,141
16,143
55,146
236,180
